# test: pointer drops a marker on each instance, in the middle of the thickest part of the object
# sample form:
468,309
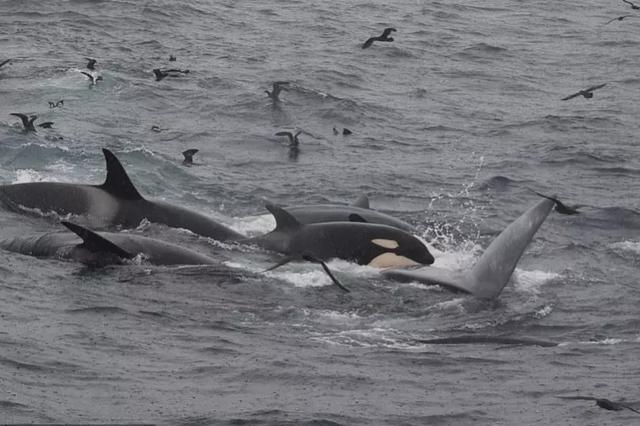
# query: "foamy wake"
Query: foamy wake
626,246
531,281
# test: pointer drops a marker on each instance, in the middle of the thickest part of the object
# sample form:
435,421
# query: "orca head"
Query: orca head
402,250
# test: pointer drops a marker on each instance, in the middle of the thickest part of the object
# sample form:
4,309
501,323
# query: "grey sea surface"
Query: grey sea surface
453,123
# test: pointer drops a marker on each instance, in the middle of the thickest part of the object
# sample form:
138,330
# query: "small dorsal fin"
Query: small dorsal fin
188,155
284,219
117,182
362,202
95,242
355,217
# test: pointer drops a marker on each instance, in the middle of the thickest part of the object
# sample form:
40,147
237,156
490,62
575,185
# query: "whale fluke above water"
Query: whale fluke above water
494,268
560,207
383,37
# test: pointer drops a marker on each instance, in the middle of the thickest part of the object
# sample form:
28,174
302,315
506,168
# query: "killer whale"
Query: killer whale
492,271
114,202
363,243
315,213
102,248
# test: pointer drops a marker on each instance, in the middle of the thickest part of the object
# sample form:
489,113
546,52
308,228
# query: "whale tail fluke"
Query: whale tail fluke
493,270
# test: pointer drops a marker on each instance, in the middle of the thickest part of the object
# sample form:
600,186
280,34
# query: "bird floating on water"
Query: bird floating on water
56,104
587,93
172,58
633,6
278,86
27,121
383,37
603,403
92,64
93,79
161,74
620,18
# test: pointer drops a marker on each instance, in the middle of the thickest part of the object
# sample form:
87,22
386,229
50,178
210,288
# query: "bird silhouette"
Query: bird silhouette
603,403
383,37
587,93
278,86
27,121
620,18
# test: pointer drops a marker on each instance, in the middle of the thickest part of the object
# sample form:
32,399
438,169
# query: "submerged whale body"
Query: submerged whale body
493,270
316,213
115,202
363,243
93,248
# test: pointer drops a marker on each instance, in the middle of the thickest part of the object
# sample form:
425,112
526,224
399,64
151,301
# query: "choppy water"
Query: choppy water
452,122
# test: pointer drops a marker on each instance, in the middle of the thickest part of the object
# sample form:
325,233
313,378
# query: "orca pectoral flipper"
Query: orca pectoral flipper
494,268
94,242
314,260
117,182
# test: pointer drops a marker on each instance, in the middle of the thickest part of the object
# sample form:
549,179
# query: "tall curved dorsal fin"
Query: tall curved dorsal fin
362,202
94,242
284,219
117,182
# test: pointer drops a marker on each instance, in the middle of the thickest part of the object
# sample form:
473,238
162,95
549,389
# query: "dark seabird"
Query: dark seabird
27,122
633,6
93,79
560,207
56,104
188,156
346,132
293,139
157,129
46,125
383,37
92,64
160,74
619,18
4,62
587,93
603,403
335,131
52,104
172,58
277,88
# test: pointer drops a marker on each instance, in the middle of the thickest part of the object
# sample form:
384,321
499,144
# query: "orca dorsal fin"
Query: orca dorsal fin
94,242
284,219
117,182
354,217
362,202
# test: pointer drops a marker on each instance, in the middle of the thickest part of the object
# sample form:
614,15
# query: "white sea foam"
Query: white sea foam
628,246
254,225
531,281
30,175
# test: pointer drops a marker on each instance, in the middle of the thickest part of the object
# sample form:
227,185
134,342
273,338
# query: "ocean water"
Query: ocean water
453,123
